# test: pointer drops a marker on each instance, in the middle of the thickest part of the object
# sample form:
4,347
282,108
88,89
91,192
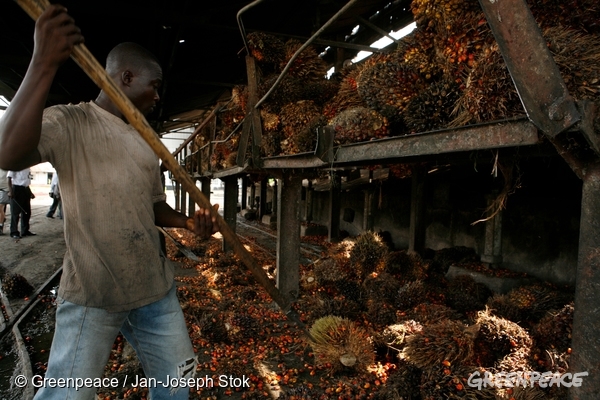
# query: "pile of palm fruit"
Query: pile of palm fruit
447,73
434,332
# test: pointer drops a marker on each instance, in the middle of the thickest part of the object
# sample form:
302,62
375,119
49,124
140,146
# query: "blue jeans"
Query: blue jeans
84,336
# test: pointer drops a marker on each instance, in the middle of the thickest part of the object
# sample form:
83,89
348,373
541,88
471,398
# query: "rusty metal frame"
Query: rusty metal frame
536,77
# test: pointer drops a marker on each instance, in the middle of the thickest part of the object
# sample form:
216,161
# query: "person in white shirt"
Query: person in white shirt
20,202
56,200
4,199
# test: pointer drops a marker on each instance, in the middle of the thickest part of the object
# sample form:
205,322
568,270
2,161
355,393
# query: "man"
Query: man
56,202
4,199
20,202
115,278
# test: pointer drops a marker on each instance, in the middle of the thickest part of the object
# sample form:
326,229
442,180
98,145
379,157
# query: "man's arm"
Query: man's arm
21,125
202,224
10,187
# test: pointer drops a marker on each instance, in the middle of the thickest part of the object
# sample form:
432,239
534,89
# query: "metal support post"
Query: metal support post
205,183
230,206
262,206
586,321
288,235
492,253
416,236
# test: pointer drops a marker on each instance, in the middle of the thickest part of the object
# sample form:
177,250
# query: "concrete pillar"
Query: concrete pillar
288,235
586,322
230,206
263,198
244,192
416,234
368,220
252,194
492,252
335,202
205,184
309,202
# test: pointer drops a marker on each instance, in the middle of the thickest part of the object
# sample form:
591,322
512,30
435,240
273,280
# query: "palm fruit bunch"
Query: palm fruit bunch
299,122
555,329
380,313
402,384
16,286
444,343
368,254
578,14
289,90
327,271
528,303
509,344
464,294
426,313
321,305
394,336
417,52
224,154
212,327
456,28
267,49
432,108
308,65
577,55
320,91
359,124
451,381
388,86
488,92
381,287
340,343
442,15
340,253
458,51
347,95
411,294
241,326
233,113
271,137
405,266
552,340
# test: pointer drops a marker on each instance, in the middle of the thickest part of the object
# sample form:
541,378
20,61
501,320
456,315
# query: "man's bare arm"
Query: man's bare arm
201,223
21,124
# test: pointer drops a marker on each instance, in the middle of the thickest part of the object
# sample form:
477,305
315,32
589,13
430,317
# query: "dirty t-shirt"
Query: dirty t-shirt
109,180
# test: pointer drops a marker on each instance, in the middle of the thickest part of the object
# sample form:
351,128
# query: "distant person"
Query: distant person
56,201
4,199
20,202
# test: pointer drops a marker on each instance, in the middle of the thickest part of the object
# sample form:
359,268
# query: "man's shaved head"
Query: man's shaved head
128,55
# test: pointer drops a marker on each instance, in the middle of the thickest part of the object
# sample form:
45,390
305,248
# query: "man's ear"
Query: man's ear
126,77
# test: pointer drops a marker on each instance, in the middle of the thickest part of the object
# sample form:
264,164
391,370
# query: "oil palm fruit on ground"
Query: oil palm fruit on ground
16,286
368,254
341,343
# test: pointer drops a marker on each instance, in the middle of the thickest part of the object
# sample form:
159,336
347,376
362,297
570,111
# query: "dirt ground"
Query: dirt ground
34,257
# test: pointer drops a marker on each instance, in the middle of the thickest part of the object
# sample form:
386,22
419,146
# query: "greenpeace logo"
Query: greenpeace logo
525,379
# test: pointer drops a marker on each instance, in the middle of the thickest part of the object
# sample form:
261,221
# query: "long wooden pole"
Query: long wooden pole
82,56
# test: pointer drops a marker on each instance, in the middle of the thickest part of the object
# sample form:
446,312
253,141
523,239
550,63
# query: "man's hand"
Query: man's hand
55,36
203,224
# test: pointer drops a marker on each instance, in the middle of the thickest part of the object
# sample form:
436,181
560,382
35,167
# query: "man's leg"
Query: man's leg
52,208
83,338
2,217
15,213
26,203
160,338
